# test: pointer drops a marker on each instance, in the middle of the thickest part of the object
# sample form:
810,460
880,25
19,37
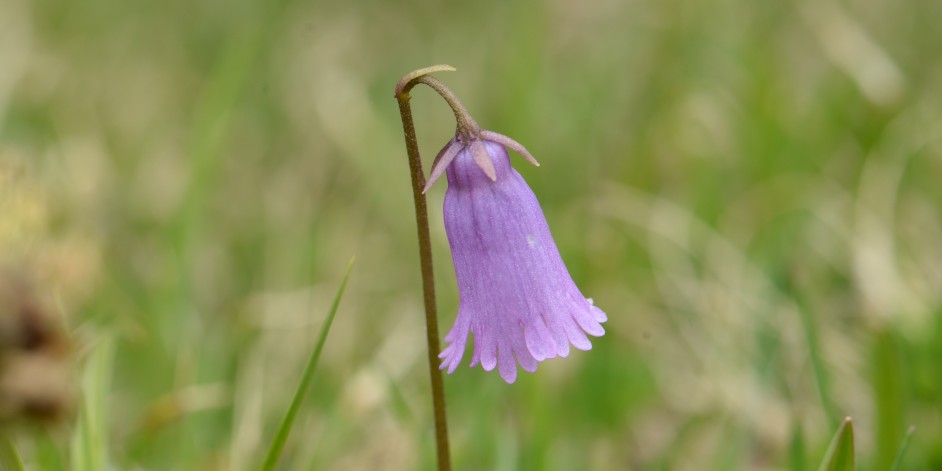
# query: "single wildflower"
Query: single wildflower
516,295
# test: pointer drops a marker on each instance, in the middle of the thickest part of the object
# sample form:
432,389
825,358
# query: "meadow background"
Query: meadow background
750,190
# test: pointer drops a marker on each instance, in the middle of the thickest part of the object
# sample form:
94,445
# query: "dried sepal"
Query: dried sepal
510,144
483,159
441,162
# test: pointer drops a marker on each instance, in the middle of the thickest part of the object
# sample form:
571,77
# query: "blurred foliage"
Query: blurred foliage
840,453
750,190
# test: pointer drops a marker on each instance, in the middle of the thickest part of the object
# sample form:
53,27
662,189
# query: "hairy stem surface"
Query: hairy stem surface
428,283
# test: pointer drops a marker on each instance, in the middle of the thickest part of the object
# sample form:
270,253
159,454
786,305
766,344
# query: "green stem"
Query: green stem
428,282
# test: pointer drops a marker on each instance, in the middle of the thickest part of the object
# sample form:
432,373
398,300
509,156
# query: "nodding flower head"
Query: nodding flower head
516,295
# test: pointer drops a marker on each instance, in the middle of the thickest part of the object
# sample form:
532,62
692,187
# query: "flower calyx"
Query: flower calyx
472,140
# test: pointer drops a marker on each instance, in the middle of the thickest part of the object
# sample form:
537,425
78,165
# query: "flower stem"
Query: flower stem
467,127
428,282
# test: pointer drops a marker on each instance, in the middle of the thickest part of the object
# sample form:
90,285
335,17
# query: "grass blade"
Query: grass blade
89,442
796,450
889,397
274,453
9,457
840,453
902,449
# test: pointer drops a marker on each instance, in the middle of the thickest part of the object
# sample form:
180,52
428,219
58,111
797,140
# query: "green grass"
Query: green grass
898,462
9,457
840,453
749,190
90,440
284,429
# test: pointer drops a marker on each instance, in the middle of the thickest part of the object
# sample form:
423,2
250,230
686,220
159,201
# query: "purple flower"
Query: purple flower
517,296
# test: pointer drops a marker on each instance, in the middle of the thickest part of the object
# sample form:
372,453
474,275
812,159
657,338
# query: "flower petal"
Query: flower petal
457,337
508,366
518,300
539,340
583,315
527,362
577,336
596,312
487,351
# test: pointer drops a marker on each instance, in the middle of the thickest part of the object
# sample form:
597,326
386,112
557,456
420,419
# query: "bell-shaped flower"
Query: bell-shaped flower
516,295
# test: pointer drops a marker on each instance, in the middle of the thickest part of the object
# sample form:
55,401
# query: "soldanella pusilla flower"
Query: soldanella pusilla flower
517,298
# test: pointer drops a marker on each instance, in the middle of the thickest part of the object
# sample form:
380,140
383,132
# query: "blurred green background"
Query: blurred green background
750,190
